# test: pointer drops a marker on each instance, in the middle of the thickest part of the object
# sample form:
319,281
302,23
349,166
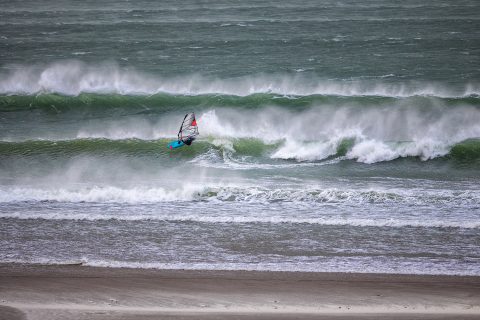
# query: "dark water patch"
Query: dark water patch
95,148
10,313
466,152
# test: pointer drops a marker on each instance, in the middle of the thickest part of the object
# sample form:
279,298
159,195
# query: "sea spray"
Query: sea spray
73,77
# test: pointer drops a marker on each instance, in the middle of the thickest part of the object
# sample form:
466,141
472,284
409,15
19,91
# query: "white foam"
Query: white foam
327,264
244,193
307,151
371,151
376,134
399,265
72,77
232,219
106,194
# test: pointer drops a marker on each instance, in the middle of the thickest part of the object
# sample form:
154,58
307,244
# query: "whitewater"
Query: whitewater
330,140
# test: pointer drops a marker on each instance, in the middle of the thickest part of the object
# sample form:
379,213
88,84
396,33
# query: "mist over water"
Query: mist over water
333,136
73,77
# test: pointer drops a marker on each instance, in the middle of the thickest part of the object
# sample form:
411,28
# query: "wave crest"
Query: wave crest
73,77
252,194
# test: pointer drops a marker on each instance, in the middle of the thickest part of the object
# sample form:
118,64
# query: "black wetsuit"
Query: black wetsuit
188,141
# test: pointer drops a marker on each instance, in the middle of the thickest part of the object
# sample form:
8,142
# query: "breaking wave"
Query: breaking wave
249,153
251,194
74,77
284,117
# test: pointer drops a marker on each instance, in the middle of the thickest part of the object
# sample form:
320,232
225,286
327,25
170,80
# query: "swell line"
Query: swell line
161,102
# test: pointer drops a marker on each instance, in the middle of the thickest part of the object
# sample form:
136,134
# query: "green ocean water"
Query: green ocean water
340,135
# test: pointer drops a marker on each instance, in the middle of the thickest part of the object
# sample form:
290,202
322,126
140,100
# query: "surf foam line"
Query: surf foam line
73,77
327,264
230,194
218,219
327,220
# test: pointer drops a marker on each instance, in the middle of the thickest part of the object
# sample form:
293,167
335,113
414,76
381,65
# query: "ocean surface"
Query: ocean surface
334,135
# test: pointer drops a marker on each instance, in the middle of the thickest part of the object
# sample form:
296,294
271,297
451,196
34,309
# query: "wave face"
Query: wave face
215,152
334,136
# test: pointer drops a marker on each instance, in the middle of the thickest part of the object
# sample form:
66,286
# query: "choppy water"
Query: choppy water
334,136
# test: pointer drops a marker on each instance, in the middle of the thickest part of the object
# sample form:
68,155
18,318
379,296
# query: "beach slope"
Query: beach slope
79,292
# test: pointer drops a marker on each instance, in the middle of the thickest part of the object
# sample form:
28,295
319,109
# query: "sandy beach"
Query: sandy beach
79,292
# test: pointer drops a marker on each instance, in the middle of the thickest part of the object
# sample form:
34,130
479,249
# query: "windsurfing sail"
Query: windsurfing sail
189,129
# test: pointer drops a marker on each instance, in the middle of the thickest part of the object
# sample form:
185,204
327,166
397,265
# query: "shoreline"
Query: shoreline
54,269
81,292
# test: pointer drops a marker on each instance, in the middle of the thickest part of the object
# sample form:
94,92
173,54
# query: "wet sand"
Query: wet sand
79,292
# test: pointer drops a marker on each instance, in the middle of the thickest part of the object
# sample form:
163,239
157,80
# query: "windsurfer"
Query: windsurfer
187,133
